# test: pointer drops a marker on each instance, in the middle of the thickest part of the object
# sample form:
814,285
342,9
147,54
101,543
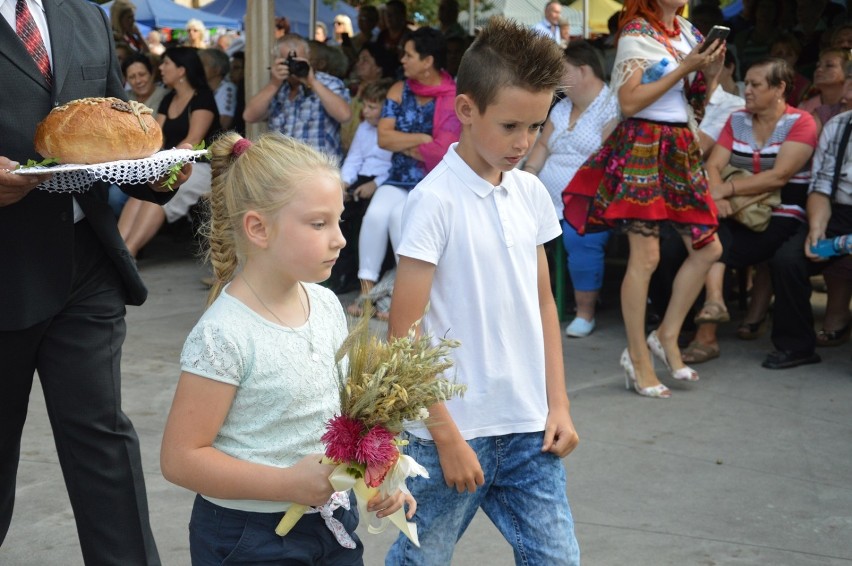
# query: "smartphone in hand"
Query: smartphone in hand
716,32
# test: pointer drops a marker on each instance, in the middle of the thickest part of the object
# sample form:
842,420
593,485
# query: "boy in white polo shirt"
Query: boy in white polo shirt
472,249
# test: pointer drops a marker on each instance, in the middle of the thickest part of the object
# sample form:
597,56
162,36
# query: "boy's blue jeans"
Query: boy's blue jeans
523,495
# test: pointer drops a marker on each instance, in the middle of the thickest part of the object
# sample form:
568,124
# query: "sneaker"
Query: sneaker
579,328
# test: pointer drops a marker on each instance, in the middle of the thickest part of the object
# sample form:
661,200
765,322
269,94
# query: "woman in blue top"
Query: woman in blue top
418,124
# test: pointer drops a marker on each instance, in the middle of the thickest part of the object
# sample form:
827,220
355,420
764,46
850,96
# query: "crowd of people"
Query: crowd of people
452,159
325,108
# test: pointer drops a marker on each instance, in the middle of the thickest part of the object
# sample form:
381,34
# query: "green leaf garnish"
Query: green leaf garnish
175,169
202,146
43,163
173,172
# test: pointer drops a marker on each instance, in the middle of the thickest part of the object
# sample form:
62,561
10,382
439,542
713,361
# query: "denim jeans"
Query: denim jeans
586,256
523,495
218,535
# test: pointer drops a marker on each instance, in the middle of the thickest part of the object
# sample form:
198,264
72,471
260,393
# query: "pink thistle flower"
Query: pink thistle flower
377,447
342,437
378,451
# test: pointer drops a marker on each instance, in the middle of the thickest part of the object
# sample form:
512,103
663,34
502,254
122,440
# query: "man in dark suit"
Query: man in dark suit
66,279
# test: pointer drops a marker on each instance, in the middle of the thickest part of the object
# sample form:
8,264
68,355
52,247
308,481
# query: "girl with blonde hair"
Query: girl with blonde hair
259,378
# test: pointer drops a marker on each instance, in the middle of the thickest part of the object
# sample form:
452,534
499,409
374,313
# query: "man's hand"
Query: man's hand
279,72
15,187
560,437
815,234
161,185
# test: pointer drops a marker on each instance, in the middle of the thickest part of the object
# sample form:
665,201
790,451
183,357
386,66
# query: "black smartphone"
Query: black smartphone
716,32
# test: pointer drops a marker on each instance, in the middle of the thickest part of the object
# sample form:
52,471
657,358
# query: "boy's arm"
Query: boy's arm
560,438
410,297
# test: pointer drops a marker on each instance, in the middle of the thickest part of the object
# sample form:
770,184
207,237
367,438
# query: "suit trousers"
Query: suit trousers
77,354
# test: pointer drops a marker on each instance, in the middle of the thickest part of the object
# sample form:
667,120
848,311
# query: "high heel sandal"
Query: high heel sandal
685,373
657,391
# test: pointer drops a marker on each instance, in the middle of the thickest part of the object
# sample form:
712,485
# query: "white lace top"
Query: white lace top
283,397
569,149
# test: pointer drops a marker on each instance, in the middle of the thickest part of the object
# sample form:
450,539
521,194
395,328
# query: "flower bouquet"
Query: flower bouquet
385,385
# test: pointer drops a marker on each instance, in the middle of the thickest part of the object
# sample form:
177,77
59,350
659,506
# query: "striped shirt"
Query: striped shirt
793,126
826,157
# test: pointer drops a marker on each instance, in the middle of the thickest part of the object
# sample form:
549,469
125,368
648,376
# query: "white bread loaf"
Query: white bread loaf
97,130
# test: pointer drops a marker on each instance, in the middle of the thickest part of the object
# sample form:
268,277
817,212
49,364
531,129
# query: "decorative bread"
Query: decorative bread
97,130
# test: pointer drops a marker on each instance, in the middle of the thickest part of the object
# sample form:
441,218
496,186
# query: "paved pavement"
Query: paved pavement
746,467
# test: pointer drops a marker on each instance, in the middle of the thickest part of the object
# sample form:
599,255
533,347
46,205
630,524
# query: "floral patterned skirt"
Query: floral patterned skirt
645,173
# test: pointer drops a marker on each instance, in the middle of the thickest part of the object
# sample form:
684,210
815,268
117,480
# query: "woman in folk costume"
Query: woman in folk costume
649,172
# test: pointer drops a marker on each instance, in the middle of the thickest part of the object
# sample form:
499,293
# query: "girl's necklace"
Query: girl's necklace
314,355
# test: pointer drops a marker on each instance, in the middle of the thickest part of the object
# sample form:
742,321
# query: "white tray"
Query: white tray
77,178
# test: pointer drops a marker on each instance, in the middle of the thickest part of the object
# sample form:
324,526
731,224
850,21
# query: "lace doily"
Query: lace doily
78,178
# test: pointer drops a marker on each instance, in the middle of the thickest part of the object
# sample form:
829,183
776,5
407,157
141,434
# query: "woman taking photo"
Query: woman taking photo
575,129
418,124
774,142
649,171
187,115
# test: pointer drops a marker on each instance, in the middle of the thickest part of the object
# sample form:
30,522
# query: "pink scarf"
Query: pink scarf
446,127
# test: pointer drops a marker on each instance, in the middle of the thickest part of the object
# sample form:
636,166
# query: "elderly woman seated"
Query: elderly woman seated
773,142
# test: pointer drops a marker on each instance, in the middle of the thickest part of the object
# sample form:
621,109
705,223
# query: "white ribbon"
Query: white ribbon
405,467
337,500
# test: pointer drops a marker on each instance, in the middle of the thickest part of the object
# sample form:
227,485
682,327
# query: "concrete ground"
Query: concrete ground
746,467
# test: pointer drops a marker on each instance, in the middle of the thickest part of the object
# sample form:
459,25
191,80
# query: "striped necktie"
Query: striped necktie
28,32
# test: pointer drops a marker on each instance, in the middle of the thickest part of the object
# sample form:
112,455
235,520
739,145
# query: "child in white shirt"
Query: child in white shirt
259,379
472,249
365,168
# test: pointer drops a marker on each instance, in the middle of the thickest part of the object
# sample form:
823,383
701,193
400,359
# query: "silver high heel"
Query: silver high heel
658,391
685,373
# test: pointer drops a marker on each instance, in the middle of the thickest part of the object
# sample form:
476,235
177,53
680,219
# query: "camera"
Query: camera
297,68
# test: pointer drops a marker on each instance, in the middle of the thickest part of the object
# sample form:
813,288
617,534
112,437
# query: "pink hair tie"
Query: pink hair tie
240,147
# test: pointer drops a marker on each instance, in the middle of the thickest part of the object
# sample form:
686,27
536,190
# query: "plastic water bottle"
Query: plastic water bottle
831,247
655,71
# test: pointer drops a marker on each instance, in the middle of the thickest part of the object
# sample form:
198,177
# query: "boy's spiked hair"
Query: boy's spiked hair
506,53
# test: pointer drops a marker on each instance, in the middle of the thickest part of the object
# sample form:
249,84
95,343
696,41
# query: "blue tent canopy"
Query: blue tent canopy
167,14
732,9
297,11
